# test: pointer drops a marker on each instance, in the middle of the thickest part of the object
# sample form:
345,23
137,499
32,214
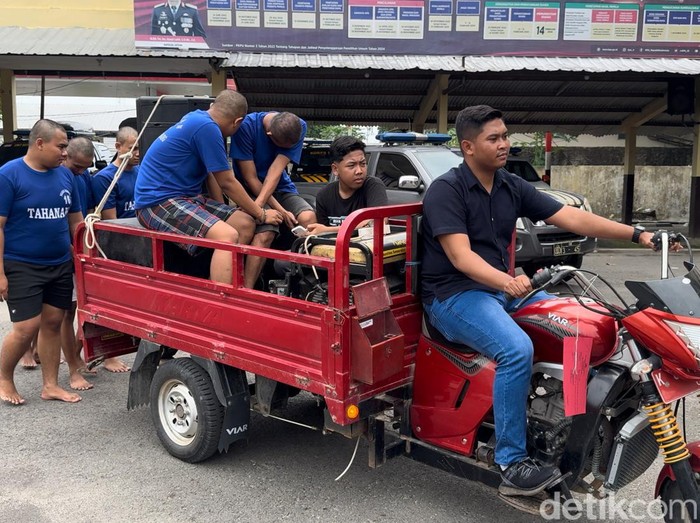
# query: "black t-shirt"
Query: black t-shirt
457,203
332,209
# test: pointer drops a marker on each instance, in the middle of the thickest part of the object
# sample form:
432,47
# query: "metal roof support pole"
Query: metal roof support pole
629,126
8,104
218,81
628,176
435,92
694,213
442,108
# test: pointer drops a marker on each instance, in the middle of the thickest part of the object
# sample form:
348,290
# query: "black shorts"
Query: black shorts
29,286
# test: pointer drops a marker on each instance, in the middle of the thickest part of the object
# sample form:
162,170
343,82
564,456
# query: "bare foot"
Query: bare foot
116,365
28,361
54,392
77,382
9,394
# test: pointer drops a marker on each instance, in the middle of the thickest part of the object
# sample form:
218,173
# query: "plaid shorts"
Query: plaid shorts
191,216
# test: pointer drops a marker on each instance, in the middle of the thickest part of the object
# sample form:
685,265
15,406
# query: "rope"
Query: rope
90,239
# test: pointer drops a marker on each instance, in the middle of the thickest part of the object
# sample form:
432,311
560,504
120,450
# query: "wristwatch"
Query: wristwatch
638,230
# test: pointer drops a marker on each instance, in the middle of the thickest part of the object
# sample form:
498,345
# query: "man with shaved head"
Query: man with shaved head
168,191
39,211
80,154
120,201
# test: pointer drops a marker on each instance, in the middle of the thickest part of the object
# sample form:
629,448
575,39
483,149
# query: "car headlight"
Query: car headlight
519,224
587,205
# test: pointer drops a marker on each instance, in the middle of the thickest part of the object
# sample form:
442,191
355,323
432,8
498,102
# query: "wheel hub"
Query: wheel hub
178,412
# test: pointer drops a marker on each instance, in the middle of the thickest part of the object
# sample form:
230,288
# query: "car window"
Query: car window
523,169
437,160
314,164
391,166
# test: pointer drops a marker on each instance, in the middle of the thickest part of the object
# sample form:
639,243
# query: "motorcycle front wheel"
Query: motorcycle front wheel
675,509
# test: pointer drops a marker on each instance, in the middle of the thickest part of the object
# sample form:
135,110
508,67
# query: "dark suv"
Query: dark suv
18,148
407,167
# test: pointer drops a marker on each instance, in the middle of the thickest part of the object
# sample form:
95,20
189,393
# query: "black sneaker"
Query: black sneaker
527,478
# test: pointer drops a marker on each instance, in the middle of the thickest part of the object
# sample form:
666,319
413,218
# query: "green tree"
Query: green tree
535,145
330,132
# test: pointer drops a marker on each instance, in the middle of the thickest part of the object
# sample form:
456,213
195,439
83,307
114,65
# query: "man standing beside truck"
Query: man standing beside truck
168,193
469,215
39,211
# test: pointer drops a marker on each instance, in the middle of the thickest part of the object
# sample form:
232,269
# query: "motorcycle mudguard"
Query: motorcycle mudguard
667,474
606,385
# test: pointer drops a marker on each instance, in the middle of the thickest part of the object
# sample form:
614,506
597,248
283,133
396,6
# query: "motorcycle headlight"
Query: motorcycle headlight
520,224
688,334
587,205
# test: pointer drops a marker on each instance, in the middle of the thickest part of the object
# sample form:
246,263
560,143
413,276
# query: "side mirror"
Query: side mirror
409,181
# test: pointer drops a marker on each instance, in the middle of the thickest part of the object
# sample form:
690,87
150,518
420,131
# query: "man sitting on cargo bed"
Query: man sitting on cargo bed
469,214
261,151
351,191
168,192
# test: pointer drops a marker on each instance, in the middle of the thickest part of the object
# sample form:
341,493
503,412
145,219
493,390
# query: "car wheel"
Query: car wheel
185,410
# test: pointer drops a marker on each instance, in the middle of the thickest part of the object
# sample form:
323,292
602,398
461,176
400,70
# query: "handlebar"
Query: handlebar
663,240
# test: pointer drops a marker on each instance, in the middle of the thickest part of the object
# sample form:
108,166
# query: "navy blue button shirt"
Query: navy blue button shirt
457,203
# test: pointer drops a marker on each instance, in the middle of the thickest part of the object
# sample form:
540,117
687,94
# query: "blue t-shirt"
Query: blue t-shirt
251,142
456,203
83,184
37,205
178,161
122,196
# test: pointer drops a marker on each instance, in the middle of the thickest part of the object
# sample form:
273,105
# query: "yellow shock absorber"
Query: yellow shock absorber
667,433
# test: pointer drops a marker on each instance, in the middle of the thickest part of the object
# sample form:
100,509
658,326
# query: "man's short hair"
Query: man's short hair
44,129
82,146
344,145
231,104
286,128
125,133
471,120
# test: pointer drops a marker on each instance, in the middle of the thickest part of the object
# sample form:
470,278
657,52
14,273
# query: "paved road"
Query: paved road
96,462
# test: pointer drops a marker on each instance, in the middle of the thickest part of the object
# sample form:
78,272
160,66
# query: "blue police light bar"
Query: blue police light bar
390,137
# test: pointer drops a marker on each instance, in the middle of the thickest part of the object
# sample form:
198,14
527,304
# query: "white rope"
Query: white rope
90,239
351,460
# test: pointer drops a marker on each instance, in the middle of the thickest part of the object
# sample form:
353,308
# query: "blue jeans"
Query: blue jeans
480,320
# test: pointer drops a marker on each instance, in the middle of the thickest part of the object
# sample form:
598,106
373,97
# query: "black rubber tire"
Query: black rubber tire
179,382
670,497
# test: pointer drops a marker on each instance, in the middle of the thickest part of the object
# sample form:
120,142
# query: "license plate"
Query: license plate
564,249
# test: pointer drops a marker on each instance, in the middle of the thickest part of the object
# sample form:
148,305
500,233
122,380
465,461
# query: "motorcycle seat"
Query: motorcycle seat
430,332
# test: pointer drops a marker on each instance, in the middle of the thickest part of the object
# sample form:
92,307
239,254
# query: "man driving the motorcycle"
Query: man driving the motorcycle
469,215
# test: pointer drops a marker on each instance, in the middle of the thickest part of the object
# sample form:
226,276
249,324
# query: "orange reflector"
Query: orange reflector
352,411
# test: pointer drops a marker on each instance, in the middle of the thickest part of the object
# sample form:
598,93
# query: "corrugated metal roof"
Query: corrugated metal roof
575,94
317,61
465,64
77,41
